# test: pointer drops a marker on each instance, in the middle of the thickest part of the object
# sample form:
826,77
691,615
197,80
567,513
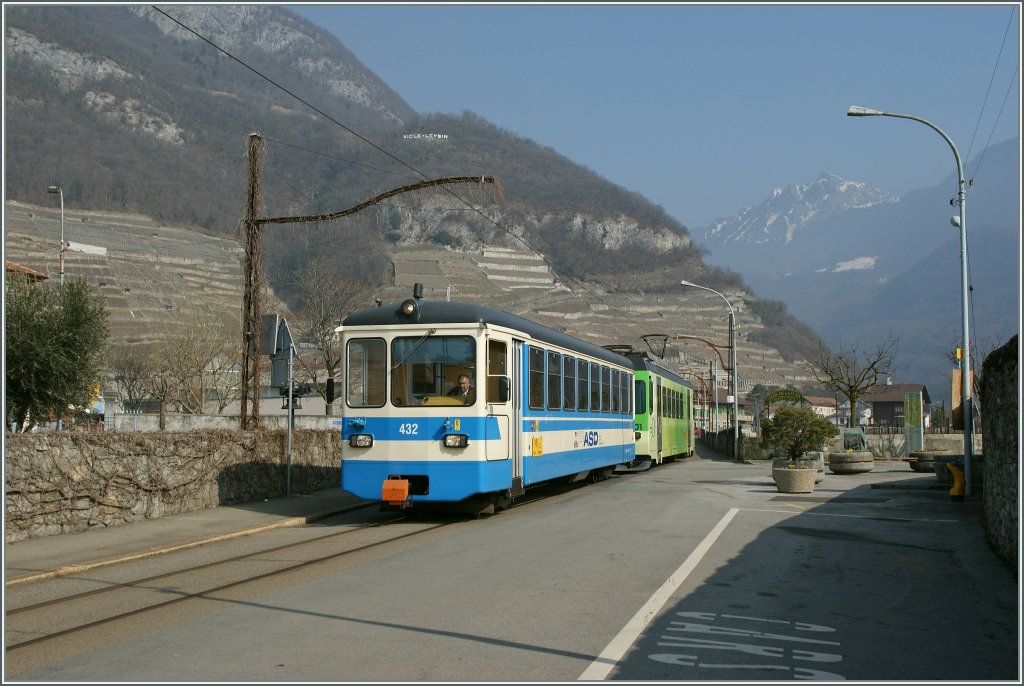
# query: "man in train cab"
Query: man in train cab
464,390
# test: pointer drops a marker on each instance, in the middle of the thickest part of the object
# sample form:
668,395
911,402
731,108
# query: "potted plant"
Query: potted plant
794,432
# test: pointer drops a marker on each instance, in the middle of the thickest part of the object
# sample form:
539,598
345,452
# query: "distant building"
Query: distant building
824,406
886,402
863,413
15,269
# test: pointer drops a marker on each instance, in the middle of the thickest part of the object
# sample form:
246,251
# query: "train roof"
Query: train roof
445,312
641,361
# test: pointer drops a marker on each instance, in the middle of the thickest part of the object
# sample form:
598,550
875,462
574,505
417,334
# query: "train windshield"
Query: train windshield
428,371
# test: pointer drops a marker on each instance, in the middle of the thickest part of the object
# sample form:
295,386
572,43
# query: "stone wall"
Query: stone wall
999,403
63,482
883,447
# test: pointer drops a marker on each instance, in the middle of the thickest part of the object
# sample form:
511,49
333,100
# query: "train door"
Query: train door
498,385
516,411
656,418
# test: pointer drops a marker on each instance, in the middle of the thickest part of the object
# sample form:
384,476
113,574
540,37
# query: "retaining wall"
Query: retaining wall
63,482
999,402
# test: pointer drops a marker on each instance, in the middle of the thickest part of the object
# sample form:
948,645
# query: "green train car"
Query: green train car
663,413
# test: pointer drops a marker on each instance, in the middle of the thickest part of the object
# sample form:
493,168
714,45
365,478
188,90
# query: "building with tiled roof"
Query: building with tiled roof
15,269
886,401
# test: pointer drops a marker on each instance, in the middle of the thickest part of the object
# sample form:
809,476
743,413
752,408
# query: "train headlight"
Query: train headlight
456,440
409,308
360,440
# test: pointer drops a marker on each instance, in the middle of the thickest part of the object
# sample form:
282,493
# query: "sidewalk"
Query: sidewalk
50,556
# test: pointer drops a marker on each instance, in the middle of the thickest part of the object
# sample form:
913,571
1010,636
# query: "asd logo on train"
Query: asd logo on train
587,439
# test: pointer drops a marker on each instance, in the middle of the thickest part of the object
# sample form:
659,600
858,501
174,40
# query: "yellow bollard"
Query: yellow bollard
957,492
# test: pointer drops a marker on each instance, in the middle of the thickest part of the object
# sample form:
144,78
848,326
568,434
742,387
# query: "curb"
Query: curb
65,570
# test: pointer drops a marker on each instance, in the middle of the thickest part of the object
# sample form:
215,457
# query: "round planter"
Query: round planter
855,462
800,480
808,461
924,460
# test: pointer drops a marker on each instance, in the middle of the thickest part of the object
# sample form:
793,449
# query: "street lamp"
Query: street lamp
59,191
732,348
966,403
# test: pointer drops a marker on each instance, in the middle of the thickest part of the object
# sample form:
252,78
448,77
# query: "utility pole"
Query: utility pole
251,305
252,310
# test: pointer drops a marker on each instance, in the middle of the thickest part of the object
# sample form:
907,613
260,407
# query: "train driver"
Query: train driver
464,390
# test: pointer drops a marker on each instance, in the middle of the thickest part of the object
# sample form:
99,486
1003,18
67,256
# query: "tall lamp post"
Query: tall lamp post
59,191
966,404
732,348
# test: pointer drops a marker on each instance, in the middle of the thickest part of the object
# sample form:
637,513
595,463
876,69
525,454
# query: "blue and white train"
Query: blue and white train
544,405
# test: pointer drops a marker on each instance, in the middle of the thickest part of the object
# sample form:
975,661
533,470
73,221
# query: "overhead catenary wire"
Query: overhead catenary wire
394,157
984,102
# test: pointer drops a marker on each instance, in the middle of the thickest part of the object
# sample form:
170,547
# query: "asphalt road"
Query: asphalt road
697,570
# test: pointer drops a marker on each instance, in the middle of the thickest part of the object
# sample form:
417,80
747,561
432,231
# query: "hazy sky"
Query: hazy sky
704,109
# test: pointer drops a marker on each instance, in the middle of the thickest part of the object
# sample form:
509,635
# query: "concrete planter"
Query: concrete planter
807,461
854,462
798,480
924,460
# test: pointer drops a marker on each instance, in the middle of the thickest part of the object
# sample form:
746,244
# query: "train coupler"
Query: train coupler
395,492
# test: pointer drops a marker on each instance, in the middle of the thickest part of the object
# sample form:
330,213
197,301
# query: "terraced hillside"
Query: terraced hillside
154,278
521,282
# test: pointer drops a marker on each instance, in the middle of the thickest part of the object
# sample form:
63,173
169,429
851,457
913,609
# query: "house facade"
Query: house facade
886,402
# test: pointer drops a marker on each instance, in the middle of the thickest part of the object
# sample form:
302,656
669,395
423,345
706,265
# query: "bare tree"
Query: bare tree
851,372
162,383
131,366
324,299
224,375
197,349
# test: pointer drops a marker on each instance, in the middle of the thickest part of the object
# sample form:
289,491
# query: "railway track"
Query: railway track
47,621
43,624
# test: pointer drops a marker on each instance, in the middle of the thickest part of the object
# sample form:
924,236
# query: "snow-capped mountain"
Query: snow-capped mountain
788,209
857,263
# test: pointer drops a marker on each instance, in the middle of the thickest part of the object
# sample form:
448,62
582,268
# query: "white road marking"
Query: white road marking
613,652
609,658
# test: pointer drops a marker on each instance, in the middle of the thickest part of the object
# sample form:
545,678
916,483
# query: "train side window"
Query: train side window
641,397
606,390
616,392
582,384
554,380
497,372
595,387
627,404
569,389
536,378
366,376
